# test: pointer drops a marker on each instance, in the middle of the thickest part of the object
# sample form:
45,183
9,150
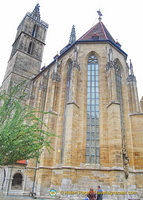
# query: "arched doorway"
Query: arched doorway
17,182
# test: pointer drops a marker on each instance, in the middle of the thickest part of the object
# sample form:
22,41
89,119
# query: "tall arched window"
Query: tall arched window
92,139
68,82
120,97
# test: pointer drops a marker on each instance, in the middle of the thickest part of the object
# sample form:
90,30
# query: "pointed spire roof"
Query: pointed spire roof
72,36
97,32
131,77
36,12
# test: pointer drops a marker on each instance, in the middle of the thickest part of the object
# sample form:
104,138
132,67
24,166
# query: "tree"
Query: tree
23,134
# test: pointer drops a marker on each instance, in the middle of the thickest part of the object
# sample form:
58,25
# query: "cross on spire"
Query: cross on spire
99,14
36,12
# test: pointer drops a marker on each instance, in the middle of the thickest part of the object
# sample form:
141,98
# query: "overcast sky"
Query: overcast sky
123,19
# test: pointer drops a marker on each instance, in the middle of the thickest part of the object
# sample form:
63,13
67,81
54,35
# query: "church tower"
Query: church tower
27,49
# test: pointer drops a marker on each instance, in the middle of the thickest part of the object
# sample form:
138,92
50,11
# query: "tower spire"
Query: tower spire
36,12
72,36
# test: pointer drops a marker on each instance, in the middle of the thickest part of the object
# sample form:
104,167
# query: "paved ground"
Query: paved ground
2,197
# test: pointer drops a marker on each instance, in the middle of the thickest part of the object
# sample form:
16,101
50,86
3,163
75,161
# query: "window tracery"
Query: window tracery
92,140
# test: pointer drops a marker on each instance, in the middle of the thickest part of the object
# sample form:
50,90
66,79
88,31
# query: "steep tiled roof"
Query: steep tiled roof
97,32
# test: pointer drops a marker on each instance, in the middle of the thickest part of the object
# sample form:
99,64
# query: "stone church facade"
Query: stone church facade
92,93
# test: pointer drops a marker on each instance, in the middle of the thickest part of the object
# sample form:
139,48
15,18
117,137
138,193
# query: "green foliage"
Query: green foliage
23,134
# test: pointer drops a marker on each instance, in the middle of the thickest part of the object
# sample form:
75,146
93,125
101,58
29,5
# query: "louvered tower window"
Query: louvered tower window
35,29
30,48
92,139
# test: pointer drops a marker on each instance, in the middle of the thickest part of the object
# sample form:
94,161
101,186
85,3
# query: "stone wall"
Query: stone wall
65,168
55,172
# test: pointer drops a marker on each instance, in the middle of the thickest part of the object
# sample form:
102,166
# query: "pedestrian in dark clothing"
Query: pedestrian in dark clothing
91,195
99,193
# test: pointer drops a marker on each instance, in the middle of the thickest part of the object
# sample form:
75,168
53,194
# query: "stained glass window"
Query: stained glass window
68,82
119,97
92,139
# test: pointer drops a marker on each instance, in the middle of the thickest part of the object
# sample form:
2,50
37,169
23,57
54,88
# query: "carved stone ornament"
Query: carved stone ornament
56,76
36,12
112,64
131,78
75,63
125,162
110,55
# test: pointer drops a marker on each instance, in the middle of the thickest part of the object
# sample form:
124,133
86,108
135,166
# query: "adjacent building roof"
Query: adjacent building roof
23,162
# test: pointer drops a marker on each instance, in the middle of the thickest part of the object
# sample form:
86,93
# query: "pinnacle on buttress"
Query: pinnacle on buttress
131,77
36,12
131,68
72,36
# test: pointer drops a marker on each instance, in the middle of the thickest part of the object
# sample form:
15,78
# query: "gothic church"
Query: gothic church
92,92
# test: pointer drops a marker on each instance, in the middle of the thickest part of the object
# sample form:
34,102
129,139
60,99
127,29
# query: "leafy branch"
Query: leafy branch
21,135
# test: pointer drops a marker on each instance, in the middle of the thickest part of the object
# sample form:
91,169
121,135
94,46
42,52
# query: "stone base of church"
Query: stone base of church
74,183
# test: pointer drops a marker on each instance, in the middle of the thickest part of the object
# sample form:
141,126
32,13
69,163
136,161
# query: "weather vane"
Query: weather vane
100,14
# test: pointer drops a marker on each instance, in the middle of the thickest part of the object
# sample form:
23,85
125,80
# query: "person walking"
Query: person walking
99,193
91,195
